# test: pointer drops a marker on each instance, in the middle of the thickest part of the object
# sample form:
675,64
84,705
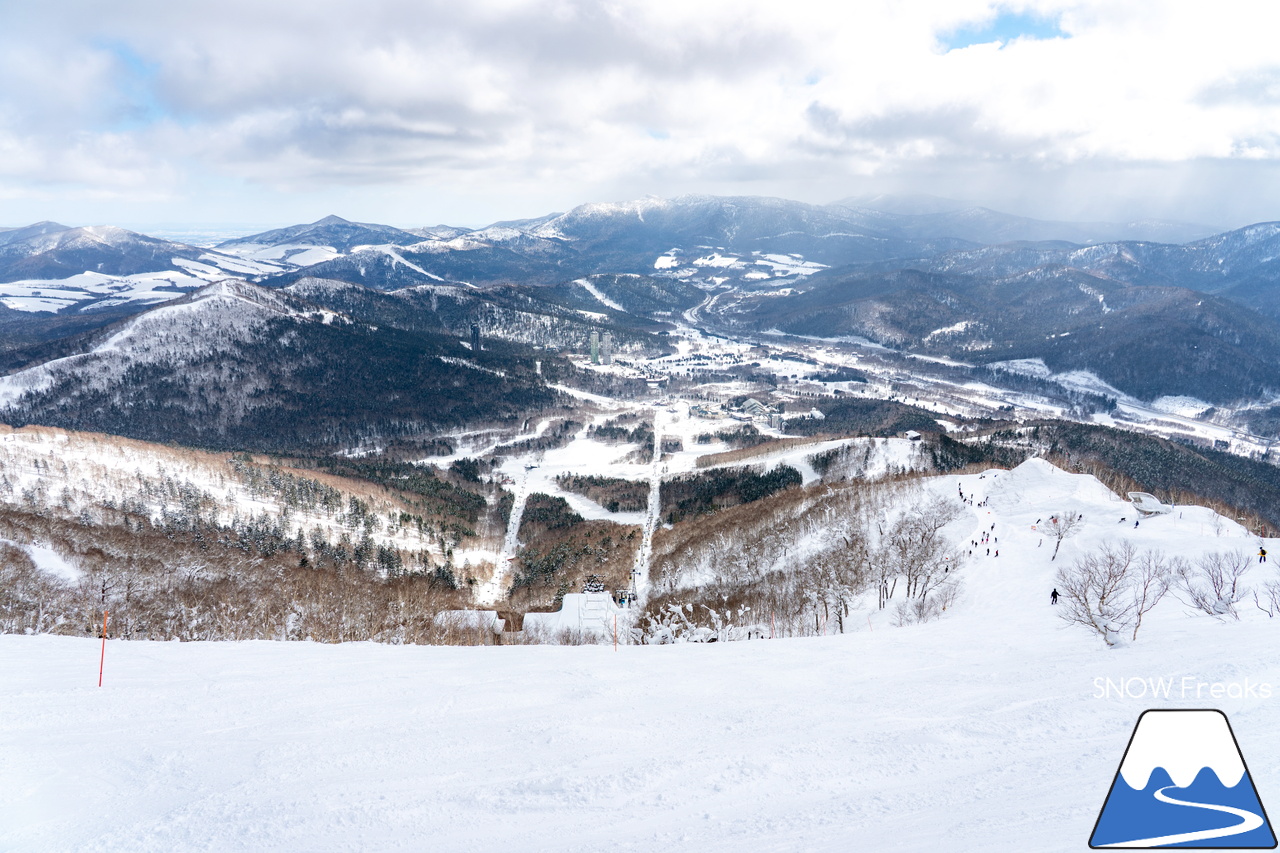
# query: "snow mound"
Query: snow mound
1049,485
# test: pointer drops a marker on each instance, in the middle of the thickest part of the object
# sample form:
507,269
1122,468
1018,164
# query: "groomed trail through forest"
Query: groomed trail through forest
495,589
653,512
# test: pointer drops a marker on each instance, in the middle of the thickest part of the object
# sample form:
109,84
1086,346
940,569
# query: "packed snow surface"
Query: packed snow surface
992,729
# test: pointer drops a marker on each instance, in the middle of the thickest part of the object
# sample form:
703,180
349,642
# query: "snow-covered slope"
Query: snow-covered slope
96,470
991,729
48,267
212,318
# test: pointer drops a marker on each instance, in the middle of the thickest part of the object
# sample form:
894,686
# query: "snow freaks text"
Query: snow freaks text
1178,687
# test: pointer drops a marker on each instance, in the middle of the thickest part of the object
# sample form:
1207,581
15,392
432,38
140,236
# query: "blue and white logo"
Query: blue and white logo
1183,783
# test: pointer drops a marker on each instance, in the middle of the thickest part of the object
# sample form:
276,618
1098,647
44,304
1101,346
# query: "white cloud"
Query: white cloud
573,100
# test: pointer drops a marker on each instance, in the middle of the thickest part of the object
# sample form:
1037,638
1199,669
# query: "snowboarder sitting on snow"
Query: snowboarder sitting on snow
1053,597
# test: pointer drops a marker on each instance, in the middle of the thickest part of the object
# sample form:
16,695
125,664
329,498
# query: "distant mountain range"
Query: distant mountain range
916,216
1153,308
48,251
1148,342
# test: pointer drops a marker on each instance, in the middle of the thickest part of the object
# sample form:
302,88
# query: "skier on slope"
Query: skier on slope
1053,596
1262,555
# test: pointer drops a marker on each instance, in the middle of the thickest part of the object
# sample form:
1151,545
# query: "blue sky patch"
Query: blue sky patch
137,104
1005,27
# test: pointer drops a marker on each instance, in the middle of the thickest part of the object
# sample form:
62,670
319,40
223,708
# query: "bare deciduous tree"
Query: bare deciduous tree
1061,526
1271,592
1152,575
1110,590
1212,585
926,609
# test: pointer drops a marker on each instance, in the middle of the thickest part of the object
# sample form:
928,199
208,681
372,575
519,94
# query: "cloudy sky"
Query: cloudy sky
162,113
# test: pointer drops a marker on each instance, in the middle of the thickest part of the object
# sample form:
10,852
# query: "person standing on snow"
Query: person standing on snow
1053,596
1262,555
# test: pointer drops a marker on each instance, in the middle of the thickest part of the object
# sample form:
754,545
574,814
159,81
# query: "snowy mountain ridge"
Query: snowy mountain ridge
333,232
211,318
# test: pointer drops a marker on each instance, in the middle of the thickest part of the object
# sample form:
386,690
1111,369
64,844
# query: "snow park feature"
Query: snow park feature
580,614
1148,504
1214,803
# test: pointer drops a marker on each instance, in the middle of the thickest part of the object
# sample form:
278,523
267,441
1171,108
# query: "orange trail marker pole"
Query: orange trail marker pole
103,659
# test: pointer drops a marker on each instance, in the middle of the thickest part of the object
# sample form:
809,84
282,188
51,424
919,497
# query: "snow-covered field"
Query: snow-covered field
984,731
